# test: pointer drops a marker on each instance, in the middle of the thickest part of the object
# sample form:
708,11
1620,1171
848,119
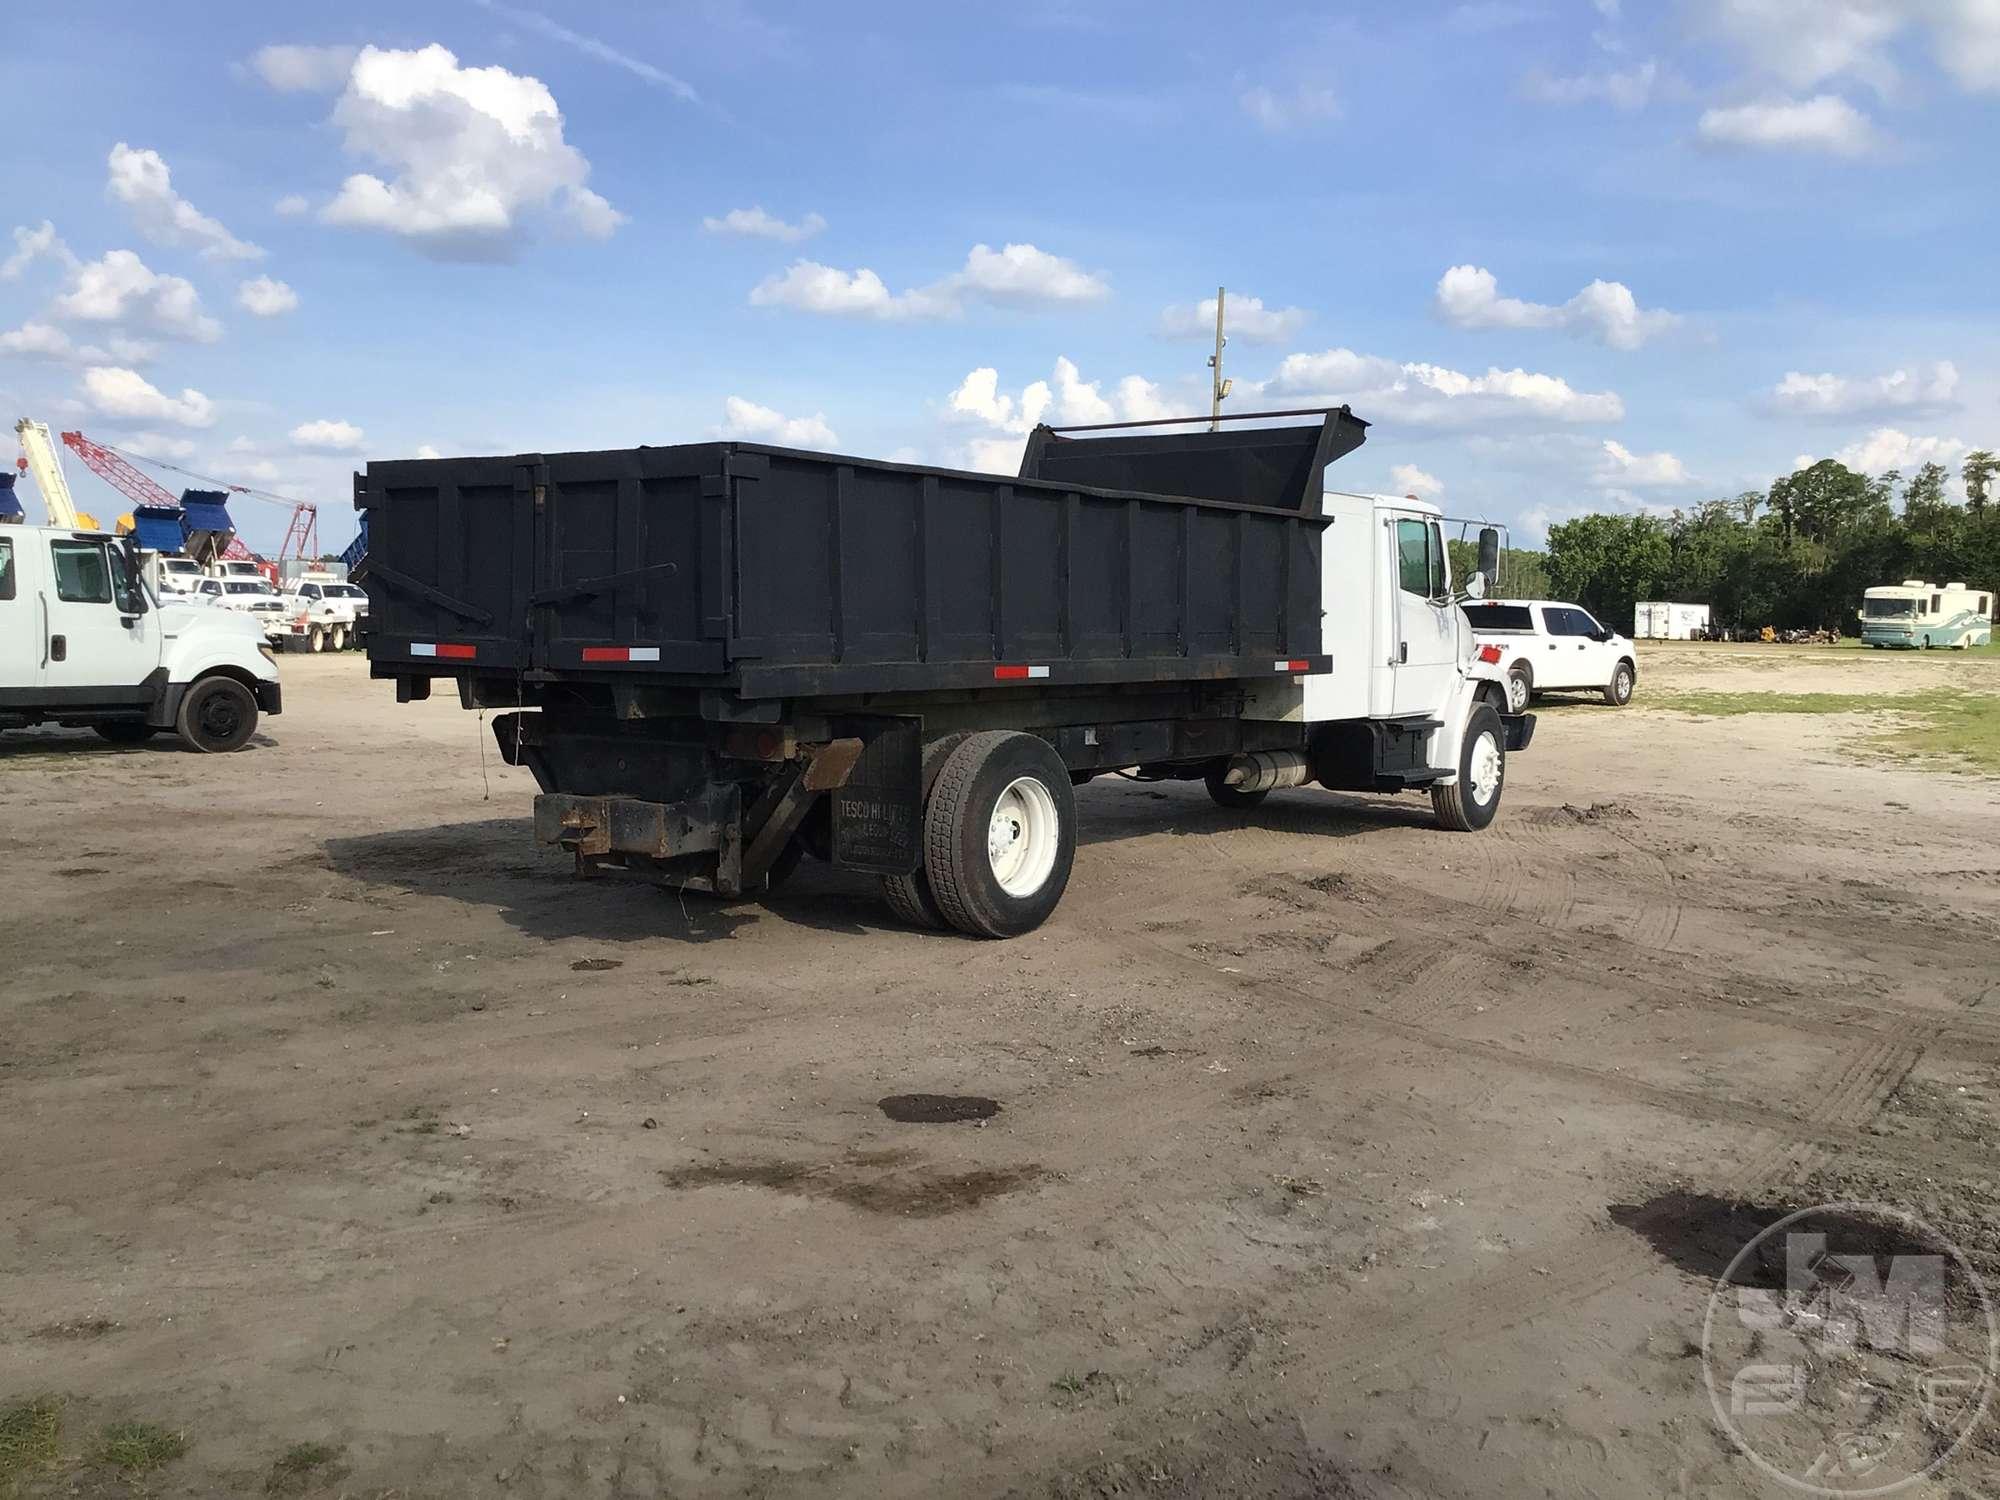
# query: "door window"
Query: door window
83,573
1420,560
6,567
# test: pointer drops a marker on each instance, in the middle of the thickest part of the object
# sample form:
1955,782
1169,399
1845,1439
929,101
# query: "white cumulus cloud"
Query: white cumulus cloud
1622,468
293,69
1889,448
128,395
142,182
157,445
1807,42
292,206
1469,297
1434,396
470,156
761,424
1411,480
1245,318
755,223
1824,123
1624,88
34,340
1013,276
266,298
326,436
1284,109
1065,398
31,245
1930,388
121,288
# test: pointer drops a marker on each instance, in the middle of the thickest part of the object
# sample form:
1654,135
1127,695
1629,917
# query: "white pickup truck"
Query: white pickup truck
85,642
1545,646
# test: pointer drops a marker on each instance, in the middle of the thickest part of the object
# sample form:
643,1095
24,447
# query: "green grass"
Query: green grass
1964,727
140,1447
297,1465
30,1438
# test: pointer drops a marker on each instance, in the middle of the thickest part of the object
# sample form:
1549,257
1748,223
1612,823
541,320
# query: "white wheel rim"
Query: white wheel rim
1517,694
1484,770
1022,837
1623,684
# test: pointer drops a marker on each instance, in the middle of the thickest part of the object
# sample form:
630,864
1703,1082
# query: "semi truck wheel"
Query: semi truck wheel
1000,834
217,714
1470,802
909,896
316,641
1225,795
339,641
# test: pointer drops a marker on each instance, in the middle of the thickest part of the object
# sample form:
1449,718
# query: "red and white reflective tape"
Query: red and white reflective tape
621,653
446,649
1297,664
1018,673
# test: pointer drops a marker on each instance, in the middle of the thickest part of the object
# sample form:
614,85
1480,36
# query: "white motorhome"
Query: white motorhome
1917,615
84,642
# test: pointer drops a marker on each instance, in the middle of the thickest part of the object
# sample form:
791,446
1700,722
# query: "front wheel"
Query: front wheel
217,715
1469,803
1000,834
1618,692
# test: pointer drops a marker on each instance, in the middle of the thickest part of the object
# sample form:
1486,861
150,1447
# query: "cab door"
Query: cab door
1425,663
100,643
1562,661
20,623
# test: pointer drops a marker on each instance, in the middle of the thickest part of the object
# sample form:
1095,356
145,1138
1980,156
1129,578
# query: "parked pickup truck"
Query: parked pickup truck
322,613
720,656
85,641
1549,647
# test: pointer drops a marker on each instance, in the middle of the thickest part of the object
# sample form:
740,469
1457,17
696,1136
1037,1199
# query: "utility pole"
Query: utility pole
1218,387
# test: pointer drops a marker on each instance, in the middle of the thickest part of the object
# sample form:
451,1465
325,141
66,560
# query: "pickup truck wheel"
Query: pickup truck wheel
1520,687
217,714
125,731
909,896
1618,692
1000,834
1470,802
1225,795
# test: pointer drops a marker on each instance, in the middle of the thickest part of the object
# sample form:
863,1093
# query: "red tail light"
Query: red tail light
1490,655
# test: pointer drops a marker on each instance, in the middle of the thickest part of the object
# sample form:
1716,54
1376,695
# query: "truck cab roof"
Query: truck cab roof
1406,503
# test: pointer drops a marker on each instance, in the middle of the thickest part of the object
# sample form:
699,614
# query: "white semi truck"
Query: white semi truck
84,642
724,655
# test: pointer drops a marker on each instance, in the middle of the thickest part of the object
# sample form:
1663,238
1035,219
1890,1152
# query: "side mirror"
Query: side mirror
1475,586
1489,552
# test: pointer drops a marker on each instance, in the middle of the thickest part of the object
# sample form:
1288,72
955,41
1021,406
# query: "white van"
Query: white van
1918,615
85,642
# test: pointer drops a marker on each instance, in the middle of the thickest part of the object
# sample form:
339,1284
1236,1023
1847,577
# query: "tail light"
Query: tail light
1490,655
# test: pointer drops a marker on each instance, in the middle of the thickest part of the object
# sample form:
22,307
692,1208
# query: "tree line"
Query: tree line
1795,557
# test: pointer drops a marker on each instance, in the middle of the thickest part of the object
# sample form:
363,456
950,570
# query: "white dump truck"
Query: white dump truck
85,642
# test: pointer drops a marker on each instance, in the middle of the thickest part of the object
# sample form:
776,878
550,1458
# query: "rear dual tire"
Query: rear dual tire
999,837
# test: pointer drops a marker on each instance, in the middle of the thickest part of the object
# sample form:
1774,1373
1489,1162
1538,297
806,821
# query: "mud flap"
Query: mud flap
878,814
1520,729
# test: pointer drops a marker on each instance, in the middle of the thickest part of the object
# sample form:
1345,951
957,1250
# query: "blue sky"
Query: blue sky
1565,254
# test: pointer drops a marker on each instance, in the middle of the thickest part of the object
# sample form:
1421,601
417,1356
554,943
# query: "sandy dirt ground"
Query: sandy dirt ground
1332,1154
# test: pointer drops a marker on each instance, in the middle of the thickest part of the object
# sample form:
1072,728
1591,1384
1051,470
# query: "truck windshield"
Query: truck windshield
1887,609
248,588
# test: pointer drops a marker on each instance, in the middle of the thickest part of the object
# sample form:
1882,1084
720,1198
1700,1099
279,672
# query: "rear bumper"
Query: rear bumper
1520,729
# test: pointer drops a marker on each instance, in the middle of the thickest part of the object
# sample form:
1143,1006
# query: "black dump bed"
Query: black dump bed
1117,556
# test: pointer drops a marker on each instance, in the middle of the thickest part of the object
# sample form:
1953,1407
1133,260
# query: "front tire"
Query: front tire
1000,834
217,715
1470,803
1618,692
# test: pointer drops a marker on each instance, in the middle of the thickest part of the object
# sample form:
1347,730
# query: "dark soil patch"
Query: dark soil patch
937,1109
922,1193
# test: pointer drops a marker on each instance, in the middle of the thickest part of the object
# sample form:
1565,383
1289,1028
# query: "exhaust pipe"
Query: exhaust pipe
1268,771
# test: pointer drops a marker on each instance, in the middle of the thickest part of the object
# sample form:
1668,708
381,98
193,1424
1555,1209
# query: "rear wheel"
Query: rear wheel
217,714
125,731
909,896
316,640
1618,692
1520,687
1000,834
1470,802
1225,795
339,638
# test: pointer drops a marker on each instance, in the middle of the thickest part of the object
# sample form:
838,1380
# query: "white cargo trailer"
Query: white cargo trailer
1668,622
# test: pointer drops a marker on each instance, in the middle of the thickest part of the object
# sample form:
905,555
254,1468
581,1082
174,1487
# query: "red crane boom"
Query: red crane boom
301,532
121,476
